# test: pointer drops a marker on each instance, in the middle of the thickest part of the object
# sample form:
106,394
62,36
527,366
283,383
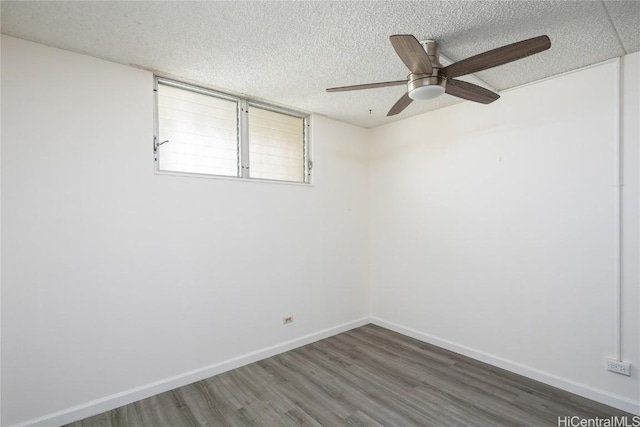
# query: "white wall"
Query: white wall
492,230
114,277
631,213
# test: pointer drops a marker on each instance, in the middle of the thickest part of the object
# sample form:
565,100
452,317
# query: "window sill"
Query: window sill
232,178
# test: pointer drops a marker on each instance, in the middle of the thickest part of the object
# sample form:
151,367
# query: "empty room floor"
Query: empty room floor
368,376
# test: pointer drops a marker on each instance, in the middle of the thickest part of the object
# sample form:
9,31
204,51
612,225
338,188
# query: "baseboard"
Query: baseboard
133,395
605,397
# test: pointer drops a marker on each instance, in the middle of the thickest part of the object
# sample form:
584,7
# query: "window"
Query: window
275,148
202,132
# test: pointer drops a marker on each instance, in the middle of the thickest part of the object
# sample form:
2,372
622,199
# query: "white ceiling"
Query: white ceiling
289,52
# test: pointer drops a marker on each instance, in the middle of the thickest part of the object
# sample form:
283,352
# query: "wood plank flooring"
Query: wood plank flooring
368,376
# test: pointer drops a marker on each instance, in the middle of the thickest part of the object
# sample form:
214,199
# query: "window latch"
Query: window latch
157,144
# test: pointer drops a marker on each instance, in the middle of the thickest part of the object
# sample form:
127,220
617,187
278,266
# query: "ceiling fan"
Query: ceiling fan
429,79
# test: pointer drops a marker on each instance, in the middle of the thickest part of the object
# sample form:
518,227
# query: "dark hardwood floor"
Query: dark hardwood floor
368,376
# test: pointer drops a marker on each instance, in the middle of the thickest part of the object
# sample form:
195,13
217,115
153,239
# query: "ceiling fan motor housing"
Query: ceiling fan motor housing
427,86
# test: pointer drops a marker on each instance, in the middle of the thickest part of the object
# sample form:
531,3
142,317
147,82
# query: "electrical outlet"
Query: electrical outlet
619,367
288,319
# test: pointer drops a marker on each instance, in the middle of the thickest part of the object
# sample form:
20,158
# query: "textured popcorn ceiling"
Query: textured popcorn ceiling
289,52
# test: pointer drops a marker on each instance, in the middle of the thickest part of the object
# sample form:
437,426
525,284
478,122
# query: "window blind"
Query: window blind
201,130
276,145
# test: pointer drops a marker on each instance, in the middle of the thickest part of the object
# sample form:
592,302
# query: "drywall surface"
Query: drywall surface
630,180
492,227
114,277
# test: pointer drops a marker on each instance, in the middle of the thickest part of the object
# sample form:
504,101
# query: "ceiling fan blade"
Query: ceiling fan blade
367,86
400,105
499,56
470,91
412,54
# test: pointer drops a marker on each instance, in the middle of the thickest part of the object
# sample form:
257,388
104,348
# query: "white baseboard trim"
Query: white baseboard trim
571,386
133,395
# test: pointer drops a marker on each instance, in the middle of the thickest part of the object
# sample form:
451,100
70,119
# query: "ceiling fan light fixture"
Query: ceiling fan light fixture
426,92
423,87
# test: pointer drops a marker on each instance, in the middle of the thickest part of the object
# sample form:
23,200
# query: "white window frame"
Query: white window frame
244,104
